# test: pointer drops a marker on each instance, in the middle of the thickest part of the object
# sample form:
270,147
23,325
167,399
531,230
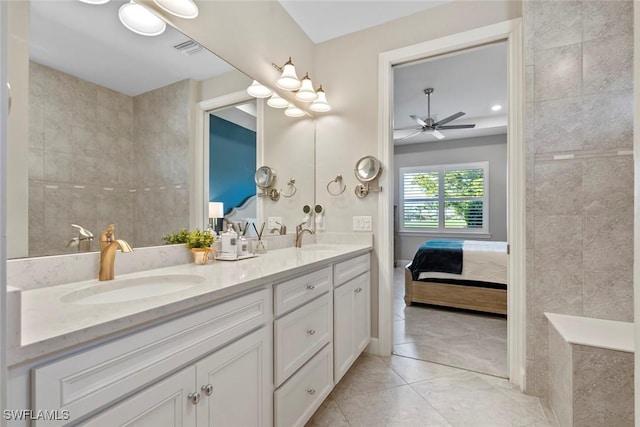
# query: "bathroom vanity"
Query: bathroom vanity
258,342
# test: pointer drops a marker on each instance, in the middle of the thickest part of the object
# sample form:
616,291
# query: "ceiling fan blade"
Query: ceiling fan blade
450,118
418,120
457,127
408,136
437,134
409,128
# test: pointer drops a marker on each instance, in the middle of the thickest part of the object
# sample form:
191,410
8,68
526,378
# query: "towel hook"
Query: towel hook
337,180
291,183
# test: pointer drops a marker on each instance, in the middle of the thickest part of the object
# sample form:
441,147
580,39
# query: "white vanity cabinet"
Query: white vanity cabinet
216,345
352,312
227,388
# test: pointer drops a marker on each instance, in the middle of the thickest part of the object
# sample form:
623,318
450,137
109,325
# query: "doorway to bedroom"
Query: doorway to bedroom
450,209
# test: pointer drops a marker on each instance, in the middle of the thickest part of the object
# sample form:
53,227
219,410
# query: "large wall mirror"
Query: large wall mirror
113,134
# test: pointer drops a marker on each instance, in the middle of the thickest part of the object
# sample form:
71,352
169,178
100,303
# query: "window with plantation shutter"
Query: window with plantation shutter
445,198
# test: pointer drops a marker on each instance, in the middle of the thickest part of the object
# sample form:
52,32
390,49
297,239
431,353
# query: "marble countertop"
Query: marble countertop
50,323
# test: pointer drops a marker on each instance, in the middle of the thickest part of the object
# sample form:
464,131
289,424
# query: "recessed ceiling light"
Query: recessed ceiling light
496,107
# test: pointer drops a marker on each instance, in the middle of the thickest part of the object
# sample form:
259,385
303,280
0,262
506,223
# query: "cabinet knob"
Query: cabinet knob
207,389
311,286
311,331
194,398
311,391
358,290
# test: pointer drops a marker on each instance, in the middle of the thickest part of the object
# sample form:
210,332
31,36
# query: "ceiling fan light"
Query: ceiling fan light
306,93
186,9
288,79
257,90
277,102
293,111
140,20
320,105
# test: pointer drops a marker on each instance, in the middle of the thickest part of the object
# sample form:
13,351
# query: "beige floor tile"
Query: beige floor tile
367,374
413,370
399,406
329,414
469,400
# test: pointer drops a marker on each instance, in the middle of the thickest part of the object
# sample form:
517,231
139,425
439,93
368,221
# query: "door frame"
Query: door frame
511,32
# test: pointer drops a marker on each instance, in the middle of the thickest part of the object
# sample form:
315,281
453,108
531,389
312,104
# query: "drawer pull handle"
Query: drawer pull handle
358,290
194,398
311,286
207,389
311,331
311,391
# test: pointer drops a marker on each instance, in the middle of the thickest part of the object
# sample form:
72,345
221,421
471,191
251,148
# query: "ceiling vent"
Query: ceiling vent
188,47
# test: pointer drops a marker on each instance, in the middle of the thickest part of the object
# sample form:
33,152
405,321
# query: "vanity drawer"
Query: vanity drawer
304,392
84,382
300,334
295,292
347,270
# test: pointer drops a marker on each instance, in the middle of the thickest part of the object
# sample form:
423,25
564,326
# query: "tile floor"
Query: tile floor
402,391
473,341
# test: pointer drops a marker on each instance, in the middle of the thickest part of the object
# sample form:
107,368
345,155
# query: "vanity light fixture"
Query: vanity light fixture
496,107
288,79
277,102
320,105
186,9
306,93
95,1
140,20
293,111
257,90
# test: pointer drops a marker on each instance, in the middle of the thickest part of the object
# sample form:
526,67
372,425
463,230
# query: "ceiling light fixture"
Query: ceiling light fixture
186,9
277,102
293,111
320,105
95,1
257,90
140,20
496,107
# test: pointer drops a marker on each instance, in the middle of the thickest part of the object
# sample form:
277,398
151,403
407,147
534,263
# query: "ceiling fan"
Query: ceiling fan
430,125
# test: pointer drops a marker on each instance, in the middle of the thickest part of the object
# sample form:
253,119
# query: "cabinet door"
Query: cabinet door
343,349
236,383
163,404
361,313
352,322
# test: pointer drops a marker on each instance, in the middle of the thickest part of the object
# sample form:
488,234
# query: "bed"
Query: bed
466,274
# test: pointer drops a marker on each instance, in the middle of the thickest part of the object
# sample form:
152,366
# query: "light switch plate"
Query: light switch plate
271,222
361,223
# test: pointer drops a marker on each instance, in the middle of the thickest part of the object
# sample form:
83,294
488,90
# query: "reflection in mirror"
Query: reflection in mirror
265,177
110,125
232,161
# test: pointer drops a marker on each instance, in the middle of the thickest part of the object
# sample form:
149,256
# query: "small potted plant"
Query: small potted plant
198,242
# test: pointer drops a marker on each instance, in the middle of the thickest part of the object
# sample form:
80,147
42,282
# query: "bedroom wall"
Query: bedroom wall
579,106
486,148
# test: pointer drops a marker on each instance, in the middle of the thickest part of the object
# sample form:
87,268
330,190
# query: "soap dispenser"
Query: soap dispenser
229,242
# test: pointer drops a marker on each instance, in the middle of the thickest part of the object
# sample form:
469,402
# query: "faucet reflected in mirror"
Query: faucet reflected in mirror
108,246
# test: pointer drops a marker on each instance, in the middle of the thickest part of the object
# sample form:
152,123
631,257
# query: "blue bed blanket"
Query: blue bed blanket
441,255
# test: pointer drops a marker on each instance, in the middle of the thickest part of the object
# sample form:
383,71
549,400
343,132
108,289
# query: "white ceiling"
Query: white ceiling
323,20
471,81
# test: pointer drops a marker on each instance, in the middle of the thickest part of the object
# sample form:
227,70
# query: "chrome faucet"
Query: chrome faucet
282,230
300,231
108,246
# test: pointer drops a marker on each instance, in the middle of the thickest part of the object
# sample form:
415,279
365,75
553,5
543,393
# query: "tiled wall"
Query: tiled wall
89,166
579,124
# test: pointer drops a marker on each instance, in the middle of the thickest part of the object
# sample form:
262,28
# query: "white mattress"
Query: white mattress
482,261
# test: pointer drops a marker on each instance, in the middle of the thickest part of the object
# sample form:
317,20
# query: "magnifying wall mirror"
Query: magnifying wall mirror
265,178
368,169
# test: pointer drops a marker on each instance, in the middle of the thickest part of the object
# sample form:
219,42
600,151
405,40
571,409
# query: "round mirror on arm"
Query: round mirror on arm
265,178
367,169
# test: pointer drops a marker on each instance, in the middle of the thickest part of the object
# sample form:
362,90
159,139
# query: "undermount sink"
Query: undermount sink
124,290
